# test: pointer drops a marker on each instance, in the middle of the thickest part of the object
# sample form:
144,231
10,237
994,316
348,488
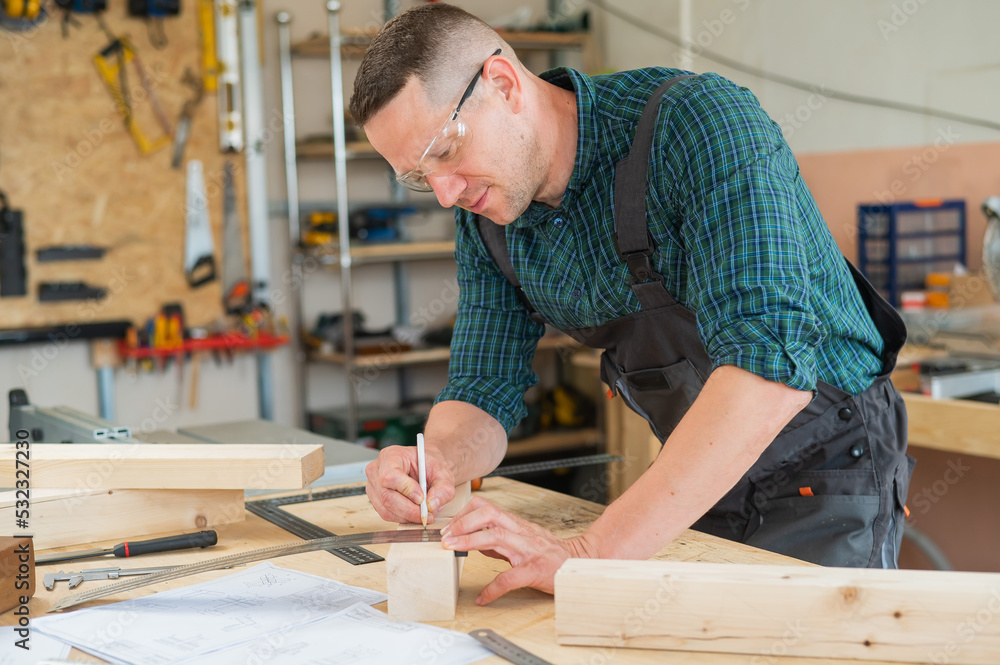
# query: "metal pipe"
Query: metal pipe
105,393
343,227
686,60
253,124
284,20
288,118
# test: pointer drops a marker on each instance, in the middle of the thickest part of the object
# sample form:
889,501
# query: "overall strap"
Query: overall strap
632,238
494,238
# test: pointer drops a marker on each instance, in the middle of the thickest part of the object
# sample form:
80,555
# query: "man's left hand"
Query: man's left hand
534,553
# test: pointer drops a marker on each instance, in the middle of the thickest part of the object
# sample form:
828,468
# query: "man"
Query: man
700,264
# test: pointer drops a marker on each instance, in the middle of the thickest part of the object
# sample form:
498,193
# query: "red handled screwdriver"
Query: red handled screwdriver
127,549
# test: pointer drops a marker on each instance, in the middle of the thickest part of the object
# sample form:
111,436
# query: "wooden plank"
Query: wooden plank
544,41
953,425
356,42
627,434
17,570
421,356
323,149
62,518
423,578
553,441
384,253
407,250
892,615
167,466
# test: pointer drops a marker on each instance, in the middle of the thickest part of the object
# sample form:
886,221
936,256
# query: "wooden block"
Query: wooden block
423,578
67,517
463,493
17,571
886,615
167,466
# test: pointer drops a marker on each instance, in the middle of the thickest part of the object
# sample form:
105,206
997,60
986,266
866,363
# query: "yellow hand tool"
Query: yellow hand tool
112,66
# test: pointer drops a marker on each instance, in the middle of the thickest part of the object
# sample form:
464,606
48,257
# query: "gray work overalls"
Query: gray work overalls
831,486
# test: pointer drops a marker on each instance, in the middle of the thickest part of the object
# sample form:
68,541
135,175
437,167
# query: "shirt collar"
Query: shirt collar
586,141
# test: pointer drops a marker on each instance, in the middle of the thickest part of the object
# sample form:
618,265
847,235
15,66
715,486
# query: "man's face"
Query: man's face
501,169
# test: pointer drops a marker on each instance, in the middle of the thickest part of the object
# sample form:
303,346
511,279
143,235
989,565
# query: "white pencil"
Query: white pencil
422,476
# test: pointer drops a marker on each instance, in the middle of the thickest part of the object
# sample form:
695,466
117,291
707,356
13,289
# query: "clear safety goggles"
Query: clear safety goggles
447,151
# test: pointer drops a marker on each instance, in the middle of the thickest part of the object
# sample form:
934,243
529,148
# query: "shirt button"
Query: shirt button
857,450
576,294
845,414
558,222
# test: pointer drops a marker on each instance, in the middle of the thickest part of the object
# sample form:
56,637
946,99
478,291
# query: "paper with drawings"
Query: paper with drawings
360,635
174,625
40,647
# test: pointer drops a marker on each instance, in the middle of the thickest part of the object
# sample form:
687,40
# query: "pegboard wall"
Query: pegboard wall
69,163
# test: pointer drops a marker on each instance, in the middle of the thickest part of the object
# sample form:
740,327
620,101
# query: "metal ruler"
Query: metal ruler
371,538
272,509
547,465
504,648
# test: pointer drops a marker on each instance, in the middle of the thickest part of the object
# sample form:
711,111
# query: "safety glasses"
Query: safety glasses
447,151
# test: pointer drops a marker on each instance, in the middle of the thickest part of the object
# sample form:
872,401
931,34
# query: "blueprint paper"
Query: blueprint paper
360,635
40,646
181,623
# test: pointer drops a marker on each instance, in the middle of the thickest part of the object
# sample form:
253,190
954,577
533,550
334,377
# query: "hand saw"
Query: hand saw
235,285
199,256
371,538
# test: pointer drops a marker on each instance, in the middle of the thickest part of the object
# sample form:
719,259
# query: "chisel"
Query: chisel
135,548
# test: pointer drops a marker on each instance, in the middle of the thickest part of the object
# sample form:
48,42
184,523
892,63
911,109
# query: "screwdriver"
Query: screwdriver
127,549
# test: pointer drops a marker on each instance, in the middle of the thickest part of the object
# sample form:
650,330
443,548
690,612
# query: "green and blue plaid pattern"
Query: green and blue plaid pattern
739,241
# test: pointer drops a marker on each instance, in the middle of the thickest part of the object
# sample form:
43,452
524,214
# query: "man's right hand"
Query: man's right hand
393,487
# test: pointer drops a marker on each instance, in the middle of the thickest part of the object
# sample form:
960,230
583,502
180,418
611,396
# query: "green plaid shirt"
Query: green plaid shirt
739,240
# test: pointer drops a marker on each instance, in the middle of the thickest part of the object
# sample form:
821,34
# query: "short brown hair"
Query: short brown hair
432,42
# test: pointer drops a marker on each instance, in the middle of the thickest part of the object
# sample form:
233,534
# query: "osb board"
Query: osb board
67,160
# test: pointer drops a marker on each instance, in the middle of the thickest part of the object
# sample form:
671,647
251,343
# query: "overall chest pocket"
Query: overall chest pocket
661,395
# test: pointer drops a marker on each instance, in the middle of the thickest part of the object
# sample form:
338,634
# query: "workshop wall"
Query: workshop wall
936,54
839,181
67,160
940,55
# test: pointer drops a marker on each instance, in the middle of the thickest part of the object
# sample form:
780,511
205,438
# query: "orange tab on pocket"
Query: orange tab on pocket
806,491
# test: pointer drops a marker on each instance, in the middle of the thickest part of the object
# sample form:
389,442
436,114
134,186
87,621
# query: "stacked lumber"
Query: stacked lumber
84,493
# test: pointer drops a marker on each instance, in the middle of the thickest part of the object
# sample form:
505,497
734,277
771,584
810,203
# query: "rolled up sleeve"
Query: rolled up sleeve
748,255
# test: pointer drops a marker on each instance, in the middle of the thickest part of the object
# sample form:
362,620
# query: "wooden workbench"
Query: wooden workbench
524,616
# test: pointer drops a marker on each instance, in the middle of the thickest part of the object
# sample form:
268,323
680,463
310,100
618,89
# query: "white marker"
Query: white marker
422,477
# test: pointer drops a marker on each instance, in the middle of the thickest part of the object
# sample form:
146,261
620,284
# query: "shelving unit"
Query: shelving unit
335,45
899,244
